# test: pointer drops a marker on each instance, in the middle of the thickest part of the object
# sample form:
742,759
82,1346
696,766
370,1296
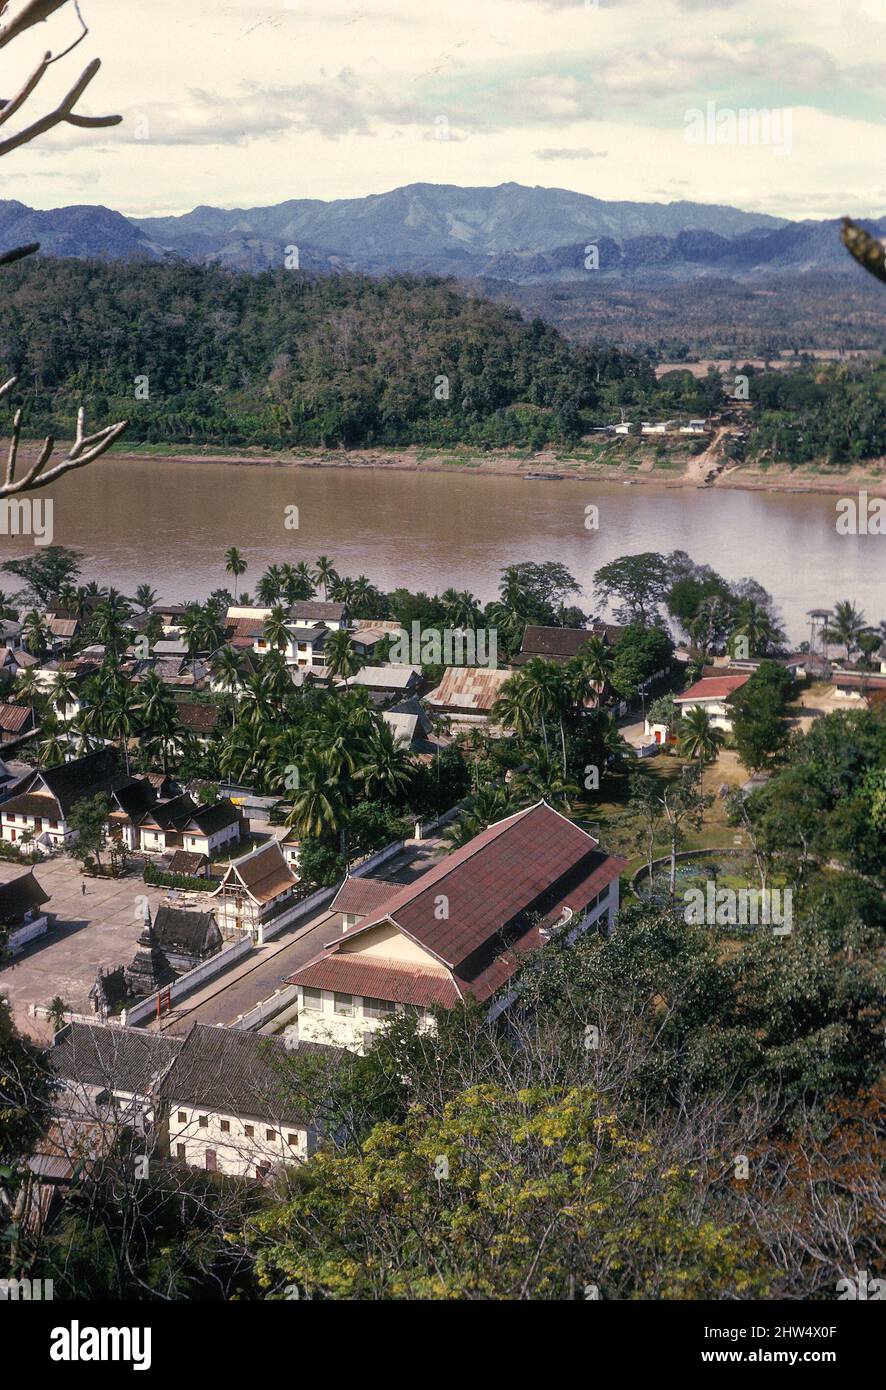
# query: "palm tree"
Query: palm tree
159,713
386,765
544,780
847,624
52,747
27,686
511,708
234,565
145,597
325,574
510,611
270,586
481,810
341,656
108,621
462,610
275,631
63,692
226,670
698,736
317,806
592,666
36,633
546,693
754,623
118,717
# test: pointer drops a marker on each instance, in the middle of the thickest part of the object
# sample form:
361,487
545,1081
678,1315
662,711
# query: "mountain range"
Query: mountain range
511,234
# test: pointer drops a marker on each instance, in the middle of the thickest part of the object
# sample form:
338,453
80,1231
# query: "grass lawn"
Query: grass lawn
618,829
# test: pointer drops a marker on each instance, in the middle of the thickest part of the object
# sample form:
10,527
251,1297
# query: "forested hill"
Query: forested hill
285,358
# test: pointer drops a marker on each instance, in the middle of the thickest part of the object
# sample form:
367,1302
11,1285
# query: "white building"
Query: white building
711,694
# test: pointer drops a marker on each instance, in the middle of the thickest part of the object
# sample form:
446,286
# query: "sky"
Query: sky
249,103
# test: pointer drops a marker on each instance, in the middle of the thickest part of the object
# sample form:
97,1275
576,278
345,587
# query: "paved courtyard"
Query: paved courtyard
97,928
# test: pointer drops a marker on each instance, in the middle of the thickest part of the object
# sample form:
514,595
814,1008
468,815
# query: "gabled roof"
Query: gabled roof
14,718
19,894
263,873
395,676
124,1059
473,689
210,819
314,610
176,928
363,895
712,688
236,1072
82,777
198,718
520,865
562,642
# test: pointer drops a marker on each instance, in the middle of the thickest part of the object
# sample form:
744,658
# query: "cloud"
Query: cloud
580,152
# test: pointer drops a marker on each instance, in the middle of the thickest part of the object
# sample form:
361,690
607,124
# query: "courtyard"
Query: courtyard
98,927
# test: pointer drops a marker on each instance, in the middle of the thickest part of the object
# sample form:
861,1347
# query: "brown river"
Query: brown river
169,524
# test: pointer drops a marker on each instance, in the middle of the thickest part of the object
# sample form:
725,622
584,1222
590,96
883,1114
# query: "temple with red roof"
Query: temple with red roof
461,930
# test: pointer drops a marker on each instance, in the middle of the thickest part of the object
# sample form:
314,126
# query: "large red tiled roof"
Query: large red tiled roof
374,979
512,867
713,688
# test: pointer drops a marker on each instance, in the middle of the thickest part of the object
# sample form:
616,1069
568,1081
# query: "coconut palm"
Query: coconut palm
511,708
36,634
544,780
752,622
341,656
847,624
226,670
275,631
145,597
158,713
325,574
270,586
235,565
386,766
63,692
317,806
698,736
591,666
27,686
53,746
481,810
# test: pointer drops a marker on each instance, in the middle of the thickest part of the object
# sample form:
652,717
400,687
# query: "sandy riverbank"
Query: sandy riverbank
675,471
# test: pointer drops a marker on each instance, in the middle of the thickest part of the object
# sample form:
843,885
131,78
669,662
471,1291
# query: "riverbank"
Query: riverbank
633,465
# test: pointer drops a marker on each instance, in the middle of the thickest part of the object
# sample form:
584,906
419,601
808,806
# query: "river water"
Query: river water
169,524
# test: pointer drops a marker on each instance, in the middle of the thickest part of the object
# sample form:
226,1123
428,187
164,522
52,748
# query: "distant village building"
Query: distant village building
43,799
467,693
711,694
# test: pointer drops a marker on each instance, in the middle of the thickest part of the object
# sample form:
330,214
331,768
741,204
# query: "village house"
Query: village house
561,644
411,726
152,826
11,634
44,797
254,890
459,931
199,718
711,694
22,906
395,680
16,722
466,694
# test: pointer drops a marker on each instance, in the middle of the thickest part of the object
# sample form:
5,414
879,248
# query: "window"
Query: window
270,1134
293,1140
180,1151
225,1126
344,1004
182,1117
314,1000
248,1131
377,1008
204,1121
